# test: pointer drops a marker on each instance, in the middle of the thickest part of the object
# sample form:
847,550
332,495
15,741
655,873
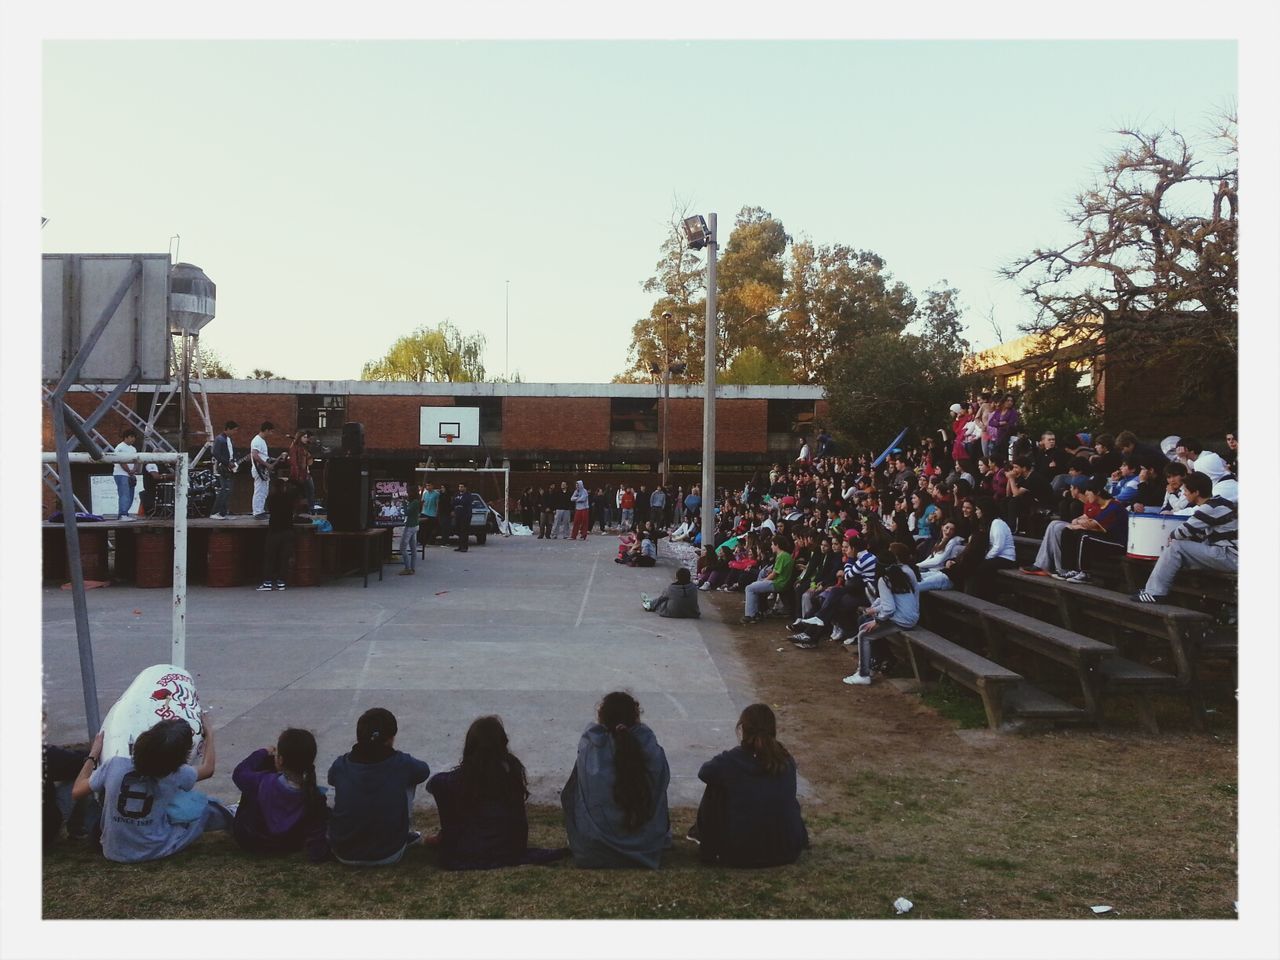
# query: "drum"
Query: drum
160,692
1149,534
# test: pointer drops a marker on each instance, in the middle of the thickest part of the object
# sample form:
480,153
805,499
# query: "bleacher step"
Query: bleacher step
1026,700
1118,670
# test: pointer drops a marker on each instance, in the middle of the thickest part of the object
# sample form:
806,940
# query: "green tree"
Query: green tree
835,296
259,374
1056,401
753,365
679,280
1150,280
889,379
750,280
439,354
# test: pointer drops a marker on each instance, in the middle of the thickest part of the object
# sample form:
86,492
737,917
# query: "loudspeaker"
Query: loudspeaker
346,482
353,439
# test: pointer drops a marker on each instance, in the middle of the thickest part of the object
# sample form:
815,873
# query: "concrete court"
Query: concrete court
533,630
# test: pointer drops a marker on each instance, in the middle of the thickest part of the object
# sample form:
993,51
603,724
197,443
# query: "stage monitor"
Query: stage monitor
450,427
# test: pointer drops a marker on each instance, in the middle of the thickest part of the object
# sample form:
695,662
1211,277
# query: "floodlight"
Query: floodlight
696,231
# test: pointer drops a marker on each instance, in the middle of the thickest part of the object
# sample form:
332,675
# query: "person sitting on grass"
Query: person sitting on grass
749,815
615,801
483,823
679,601
282,809
896,607
1208,540
777,580
373,789
149,808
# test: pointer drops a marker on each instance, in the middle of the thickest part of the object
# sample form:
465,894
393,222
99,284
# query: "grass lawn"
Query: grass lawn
910,800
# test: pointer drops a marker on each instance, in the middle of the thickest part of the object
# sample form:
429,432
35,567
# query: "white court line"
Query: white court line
586,593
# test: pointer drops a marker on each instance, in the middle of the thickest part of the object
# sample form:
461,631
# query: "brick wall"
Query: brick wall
538,426
391,423
740,426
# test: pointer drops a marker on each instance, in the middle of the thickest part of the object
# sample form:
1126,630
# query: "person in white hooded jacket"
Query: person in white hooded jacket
581,498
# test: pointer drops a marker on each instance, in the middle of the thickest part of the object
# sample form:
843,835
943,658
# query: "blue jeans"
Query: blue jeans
755,593
124,493
222,501
409,548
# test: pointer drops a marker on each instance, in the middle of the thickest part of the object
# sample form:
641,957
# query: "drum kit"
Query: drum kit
202,489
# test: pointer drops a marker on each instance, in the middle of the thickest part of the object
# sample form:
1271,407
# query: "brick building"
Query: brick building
1146,401
547,432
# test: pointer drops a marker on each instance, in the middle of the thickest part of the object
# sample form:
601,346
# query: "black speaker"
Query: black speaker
346,483
353,439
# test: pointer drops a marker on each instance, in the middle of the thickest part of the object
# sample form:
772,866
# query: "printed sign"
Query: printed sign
388,502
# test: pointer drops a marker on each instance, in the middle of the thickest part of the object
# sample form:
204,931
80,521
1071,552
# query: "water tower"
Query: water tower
192,304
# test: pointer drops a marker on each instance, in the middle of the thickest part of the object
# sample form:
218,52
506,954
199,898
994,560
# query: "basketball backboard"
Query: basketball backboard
450,427
77,287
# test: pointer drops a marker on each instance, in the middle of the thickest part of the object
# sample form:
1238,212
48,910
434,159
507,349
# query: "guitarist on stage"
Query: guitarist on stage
260,467
224,468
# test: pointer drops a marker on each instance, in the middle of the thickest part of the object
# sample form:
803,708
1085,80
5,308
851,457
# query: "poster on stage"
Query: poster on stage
388,502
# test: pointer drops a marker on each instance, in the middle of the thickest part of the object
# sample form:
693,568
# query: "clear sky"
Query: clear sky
341,193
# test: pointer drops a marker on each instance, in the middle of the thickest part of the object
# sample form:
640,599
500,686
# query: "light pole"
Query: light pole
508,329
709,392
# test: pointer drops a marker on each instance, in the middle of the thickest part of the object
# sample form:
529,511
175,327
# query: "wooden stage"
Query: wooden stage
220,553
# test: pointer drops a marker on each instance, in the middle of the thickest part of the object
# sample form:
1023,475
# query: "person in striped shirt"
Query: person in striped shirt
1207,541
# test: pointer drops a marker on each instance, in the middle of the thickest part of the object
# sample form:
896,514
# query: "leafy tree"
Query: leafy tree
430,355
259,374
205,362
835,296
750,280
889,379
1150,281
1056,401
753,365
679,279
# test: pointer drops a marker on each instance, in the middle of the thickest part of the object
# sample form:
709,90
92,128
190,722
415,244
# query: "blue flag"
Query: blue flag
889,449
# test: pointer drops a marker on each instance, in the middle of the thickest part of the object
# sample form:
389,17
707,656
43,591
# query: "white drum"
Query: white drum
1149,533
160,692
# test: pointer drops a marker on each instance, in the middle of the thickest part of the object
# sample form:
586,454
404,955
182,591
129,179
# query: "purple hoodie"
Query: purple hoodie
273,816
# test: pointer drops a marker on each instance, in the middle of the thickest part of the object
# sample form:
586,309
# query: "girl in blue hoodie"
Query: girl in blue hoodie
282,808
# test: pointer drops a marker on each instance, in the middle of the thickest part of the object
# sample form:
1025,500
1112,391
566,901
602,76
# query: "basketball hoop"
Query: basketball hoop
448,438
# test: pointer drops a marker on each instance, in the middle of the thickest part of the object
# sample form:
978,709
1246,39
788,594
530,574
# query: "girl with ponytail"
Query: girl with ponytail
615,803
373,789
282,809
749,815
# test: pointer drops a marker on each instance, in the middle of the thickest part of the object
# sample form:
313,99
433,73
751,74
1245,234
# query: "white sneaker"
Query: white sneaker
1065,574
813,621
705,587
857,680
837,632
217,516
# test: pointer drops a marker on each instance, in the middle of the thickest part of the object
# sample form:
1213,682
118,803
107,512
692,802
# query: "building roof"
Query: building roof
400,388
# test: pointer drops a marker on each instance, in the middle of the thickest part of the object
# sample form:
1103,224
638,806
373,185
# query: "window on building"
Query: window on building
321,411
490,413
791,416
633,414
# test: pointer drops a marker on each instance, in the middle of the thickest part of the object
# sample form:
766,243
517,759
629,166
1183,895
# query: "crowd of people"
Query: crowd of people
614,802
842,546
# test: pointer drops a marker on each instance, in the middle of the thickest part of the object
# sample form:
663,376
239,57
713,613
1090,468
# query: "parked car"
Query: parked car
479,526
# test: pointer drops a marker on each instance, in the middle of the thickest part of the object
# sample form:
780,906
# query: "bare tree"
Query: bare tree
1151,280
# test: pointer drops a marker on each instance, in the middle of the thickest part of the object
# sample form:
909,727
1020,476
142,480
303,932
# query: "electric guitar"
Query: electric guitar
237,464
